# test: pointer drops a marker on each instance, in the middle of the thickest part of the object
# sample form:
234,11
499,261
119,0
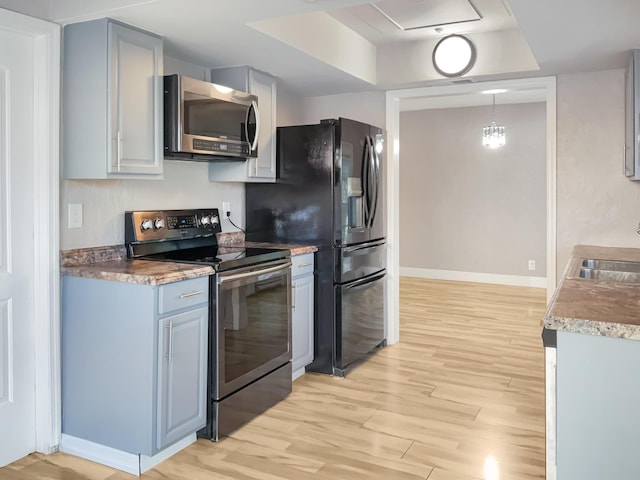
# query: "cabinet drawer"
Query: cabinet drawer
186,293
302,264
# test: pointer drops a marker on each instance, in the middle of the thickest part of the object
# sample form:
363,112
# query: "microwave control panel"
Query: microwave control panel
219,147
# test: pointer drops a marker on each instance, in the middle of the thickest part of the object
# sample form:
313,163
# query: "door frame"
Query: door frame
46,222
393,100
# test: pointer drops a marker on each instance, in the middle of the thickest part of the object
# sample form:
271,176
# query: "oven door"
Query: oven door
252,332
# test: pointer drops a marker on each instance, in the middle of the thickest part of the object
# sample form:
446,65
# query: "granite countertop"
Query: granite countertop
295,249
111,263
596,307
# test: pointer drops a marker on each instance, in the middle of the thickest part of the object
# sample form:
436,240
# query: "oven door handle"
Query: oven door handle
222,278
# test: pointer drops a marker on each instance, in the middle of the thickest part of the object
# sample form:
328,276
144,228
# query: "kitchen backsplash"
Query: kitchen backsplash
185,185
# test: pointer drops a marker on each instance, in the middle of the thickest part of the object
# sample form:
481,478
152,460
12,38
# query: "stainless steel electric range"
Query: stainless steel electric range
249,366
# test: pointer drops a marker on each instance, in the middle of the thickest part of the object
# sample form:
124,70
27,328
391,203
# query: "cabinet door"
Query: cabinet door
302,322
135,136
264,86
182,375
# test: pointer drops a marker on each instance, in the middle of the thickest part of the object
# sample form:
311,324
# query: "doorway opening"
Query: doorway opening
446,96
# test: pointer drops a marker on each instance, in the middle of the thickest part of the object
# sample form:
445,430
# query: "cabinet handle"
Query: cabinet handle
305,265
191,294
169,354
118,150
293,297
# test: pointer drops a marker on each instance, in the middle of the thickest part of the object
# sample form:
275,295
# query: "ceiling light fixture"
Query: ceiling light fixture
494,90
222,88
454,55
493,136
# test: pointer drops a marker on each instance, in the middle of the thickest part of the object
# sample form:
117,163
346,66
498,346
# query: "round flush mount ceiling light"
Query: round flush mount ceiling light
454,55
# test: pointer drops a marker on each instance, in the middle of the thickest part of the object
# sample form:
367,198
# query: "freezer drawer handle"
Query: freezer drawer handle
363,246
366,282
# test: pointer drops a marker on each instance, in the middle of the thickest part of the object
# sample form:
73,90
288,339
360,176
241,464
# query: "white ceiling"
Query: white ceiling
321,47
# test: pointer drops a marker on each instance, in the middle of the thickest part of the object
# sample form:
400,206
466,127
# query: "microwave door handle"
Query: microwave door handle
254,106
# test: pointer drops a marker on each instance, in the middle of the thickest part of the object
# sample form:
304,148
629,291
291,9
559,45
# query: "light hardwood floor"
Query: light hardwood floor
462,393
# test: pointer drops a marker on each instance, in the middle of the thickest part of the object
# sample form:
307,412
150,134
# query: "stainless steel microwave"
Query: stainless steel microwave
206,122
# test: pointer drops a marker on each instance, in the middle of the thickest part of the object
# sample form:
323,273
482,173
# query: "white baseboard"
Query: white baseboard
297,373
147,463
514,280
111,457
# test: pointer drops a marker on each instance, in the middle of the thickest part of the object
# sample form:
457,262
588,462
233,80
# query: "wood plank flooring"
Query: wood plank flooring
459,398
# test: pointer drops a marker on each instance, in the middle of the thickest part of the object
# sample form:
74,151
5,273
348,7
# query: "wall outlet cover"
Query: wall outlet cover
75,215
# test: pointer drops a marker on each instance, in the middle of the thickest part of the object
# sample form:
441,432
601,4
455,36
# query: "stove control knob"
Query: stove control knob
205,220
158,223
146,224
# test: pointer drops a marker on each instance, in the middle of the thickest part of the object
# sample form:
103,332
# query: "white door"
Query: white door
17,351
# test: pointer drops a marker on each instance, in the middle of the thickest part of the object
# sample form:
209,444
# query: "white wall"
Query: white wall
289,109
34,8
367,107
185,185
467,208
596,203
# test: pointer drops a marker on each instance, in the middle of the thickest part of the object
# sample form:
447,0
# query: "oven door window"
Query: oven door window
254,317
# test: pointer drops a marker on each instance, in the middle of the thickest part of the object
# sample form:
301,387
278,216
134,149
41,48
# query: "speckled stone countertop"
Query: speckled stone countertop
111,263
295,249
236,239
596,307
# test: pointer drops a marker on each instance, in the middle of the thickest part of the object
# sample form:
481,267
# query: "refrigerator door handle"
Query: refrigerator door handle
376,180
366,164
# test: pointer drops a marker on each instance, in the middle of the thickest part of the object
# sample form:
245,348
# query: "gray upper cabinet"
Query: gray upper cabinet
262,168
632,118
112,101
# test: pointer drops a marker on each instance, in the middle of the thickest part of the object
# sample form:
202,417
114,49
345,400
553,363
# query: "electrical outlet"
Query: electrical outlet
532,264
226,209
75,215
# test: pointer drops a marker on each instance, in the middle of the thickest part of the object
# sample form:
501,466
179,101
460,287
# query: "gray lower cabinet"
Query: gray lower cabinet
302,317
182,367
134,362
598,419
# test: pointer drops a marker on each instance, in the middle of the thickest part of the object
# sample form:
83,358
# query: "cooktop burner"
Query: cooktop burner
221,258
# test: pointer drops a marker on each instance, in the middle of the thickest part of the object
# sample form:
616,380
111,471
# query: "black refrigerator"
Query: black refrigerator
329,192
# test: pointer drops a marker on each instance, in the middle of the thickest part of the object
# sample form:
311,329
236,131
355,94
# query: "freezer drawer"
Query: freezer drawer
359,318
359,261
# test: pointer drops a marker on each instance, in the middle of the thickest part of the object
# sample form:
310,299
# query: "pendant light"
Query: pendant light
493,136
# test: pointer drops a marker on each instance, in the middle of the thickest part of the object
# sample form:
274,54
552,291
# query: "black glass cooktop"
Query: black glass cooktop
220,257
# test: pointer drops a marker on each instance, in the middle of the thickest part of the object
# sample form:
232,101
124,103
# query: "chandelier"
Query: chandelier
493,136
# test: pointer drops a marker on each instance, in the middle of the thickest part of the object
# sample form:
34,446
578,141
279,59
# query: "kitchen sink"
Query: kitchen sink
616,271
616,265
